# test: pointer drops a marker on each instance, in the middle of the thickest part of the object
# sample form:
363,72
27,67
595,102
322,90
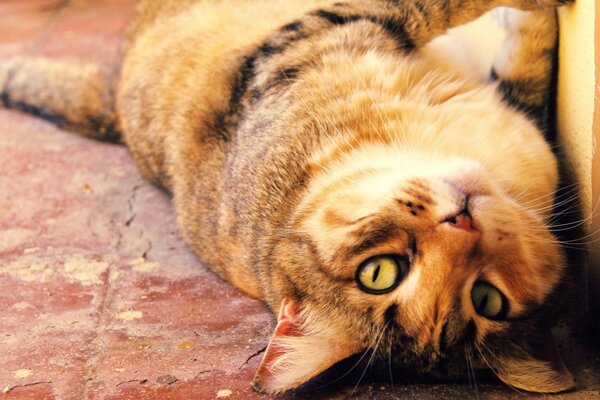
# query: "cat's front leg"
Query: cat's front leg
413,23
524,65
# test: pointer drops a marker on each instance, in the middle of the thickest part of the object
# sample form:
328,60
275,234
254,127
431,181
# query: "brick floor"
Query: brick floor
99,297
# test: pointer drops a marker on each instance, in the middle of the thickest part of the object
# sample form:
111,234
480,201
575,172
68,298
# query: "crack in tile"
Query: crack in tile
106,296
140,381
131,202
259,352
96,345
9,388
207,371
167,380
147,250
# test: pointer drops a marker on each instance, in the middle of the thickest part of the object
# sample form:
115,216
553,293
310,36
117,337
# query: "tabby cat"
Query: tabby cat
319,160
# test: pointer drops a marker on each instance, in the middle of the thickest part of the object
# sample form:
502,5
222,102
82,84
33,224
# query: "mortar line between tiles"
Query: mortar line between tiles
107,295
95,347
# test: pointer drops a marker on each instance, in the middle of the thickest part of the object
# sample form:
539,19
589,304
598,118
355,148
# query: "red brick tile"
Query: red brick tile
20,28
13,7
88,32
35,391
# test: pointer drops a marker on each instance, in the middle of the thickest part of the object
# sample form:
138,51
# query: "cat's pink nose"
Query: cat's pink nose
463,221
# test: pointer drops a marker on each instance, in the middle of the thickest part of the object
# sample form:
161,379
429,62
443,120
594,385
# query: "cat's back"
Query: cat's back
180,62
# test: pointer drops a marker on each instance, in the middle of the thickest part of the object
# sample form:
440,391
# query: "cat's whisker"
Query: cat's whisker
578,240
566,226
356,364
390,370
573,246
551,205
374,352
519,196
467,361
571,191
595,211
492,368
559,217
556,218
471,370
556,204
379,334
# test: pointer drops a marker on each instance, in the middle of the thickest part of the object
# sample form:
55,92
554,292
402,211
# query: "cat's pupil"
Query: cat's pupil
483,303
376,273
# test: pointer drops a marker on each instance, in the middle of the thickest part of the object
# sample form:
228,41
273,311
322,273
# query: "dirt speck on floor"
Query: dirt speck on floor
186,344
88,272
129,315
28,271
224,393
147,266
23,373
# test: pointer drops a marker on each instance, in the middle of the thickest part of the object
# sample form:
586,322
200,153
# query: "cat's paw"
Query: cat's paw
507,18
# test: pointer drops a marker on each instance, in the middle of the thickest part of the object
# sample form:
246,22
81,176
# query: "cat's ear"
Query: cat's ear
301,348
540,370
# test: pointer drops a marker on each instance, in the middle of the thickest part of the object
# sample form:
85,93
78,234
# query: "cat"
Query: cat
378,203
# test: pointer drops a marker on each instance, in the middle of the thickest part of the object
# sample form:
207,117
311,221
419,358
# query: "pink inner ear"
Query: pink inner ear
286,326
287,316
297,353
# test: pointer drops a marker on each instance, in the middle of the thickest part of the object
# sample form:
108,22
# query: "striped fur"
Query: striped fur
300,144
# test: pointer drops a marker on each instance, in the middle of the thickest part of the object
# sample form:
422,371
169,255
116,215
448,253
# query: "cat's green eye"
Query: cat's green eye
488,301
381,274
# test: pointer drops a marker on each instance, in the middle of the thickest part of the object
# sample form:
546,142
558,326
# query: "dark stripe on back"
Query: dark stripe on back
542,114
510,91
267,49
397,31
289,73
283,78
292,26
228,120
393,28
336,19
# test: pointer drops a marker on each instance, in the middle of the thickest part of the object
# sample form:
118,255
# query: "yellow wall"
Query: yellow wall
576,93
579,128
594,283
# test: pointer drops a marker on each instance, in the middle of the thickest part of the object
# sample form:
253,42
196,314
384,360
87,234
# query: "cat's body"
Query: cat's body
300,139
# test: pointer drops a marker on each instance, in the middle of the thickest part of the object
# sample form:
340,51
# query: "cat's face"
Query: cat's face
428,266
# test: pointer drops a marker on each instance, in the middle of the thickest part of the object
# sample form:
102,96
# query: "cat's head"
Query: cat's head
424,261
